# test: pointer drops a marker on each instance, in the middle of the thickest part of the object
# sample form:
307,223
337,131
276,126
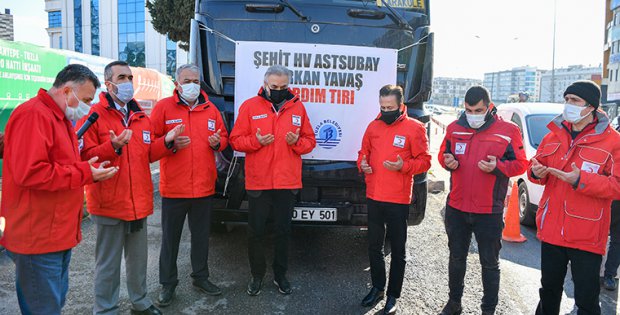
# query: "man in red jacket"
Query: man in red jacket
119,208
394,148
43,188
482,152
187,182
273,130
577,162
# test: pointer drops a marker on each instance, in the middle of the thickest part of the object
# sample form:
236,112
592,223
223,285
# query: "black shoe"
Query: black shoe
488,312
255,285
205,286
149,311
452,308
375,295
283,285
609,283
390,306
166,295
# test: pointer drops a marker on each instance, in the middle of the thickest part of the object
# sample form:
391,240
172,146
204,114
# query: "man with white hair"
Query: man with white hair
187,183
273,130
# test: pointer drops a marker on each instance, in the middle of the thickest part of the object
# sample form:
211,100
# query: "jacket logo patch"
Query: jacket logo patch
399,141
174,121
80,144
259,116
146,136
211,124
460,148
590,167
296,120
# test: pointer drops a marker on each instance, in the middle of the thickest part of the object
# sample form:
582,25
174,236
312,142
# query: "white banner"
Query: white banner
339,86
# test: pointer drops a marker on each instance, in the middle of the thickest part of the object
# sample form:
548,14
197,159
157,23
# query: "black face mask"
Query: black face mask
390,117
277,96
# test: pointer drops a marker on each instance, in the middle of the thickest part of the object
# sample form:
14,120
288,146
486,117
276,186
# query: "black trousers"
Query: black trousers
277,203
173,213
487,229
585,268
613,255
393,216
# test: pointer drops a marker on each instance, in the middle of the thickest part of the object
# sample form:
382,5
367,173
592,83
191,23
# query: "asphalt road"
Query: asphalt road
329,271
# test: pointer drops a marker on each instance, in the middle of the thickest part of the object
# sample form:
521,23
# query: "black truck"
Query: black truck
403,25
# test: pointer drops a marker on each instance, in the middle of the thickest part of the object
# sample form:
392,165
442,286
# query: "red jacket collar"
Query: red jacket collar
46,99
107,102
600,123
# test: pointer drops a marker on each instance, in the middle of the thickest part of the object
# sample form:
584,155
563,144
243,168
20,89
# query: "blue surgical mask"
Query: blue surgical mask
124,91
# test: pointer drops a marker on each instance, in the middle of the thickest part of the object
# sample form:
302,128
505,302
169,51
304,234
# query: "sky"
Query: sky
29,20
471,36
477,36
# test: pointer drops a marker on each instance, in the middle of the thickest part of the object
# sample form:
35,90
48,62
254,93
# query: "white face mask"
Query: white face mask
124,91
191,91
476,121
572,113
75,114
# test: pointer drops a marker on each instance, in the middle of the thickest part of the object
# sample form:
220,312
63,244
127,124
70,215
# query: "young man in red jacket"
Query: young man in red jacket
273,130
187,182
577,162
119,208
482,152
43,188
394,148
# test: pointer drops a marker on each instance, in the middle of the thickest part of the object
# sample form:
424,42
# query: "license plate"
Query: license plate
315,214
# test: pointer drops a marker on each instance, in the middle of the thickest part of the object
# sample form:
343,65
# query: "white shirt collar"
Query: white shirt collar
118,107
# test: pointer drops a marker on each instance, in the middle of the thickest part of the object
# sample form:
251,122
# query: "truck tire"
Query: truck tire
417,208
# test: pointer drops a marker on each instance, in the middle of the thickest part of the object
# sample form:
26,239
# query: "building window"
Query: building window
77,19
94,27
131,32
171,57
54,18
60,42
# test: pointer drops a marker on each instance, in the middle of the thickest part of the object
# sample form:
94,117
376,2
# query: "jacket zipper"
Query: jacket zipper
544,214
189,120
133,203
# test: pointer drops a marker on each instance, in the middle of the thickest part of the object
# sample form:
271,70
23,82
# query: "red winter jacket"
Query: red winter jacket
405,137
277,165
190,172
471,189
578,217
43,179
129,194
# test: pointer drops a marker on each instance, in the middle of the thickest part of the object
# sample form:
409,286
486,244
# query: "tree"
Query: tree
172,17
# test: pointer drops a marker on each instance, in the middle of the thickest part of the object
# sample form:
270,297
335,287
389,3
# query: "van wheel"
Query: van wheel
527,211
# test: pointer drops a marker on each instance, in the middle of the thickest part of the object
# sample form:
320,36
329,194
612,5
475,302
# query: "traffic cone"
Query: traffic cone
512,229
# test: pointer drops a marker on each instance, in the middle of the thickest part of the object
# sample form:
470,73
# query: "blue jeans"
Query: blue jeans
42,281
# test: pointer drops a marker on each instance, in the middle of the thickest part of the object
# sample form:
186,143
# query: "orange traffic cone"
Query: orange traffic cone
512,229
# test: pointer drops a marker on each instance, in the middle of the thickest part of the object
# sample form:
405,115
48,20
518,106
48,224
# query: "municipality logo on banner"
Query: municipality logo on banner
328,134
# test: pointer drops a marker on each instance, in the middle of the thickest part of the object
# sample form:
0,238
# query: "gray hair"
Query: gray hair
192,67
277,70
